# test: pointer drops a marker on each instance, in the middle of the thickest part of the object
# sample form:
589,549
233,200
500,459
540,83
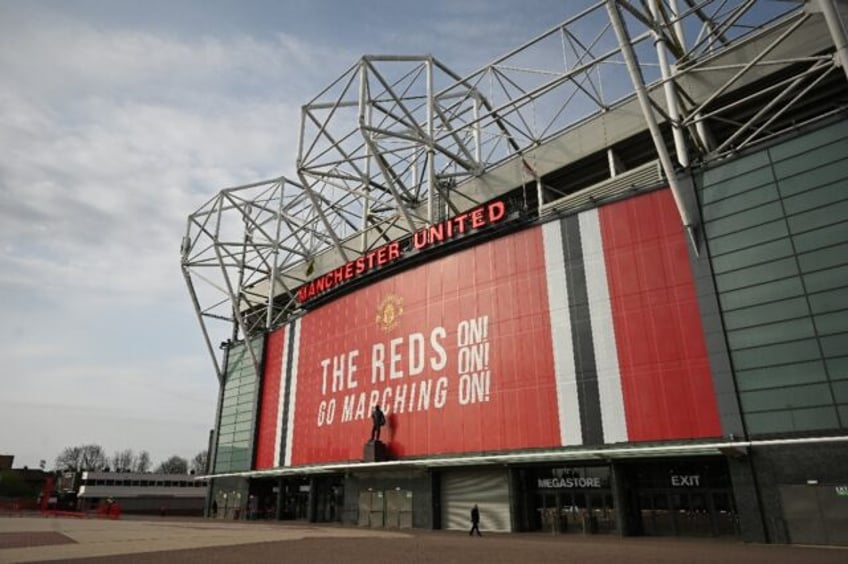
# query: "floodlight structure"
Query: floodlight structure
401,142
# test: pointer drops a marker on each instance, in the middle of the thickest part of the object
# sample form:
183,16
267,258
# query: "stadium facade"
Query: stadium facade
598,286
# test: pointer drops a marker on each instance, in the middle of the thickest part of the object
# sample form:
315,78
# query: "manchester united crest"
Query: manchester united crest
389,312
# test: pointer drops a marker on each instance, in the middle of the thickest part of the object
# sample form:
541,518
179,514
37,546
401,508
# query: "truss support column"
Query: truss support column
275,254
199,311
704,133
431,151
478,150
668,87
365,117
837,32
647,111
615,166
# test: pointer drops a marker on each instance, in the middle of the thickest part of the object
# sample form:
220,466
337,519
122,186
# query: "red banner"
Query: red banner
457,352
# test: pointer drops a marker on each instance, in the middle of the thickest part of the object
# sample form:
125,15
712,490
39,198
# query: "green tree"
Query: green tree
174,465
82,458
198,463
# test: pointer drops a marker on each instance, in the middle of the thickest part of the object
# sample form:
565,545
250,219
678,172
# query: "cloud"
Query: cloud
97,186
110,139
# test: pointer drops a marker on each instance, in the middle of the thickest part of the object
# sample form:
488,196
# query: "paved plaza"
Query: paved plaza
39,539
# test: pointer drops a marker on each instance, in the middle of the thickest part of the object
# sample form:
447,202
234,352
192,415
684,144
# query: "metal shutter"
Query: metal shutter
489,489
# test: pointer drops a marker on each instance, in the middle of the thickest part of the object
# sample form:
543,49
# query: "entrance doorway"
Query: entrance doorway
577,511
687,513
329,500
294,498
681,497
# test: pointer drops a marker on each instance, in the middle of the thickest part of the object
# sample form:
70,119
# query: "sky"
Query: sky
117,120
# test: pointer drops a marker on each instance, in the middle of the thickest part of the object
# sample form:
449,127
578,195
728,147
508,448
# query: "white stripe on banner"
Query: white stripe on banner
281,403
603,332
566,375
292,392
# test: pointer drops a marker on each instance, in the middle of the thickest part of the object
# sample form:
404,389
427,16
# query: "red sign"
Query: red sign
452,228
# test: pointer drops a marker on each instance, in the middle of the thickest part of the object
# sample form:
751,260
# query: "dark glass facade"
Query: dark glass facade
776,224
234,451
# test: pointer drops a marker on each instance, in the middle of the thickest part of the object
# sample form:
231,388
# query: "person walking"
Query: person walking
475,521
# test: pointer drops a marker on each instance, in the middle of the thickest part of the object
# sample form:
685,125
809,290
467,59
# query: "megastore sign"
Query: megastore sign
449,229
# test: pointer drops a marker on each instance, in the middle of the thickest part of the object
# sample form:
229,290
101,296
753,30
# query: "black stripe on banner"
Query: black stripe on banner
581,333
287,392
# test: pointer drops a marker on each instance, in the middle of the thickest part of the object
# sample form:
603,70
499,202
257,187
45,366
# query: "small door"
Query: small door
398,508
371,509
816,514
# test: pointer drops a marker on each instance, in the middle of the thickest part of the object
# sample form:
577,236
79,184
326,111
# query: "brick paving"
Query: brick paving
32,538
213,542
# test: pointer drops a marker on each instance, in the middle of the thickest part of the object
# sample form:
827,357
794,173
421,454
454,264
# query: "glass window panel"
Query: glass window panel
827,279
834,345
228,428
766,313
792,420
783,331
770,355
742,201
241,436
824,258
743,220
248,379
736,168
817,198
840,391
810,160
805,143
792,397
828,323
771,292
814,418
244,416
833,300
769,422
748,237
741,278
827,174
820,217
243,426
843,415
820,238
753,255
837,368
777,376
